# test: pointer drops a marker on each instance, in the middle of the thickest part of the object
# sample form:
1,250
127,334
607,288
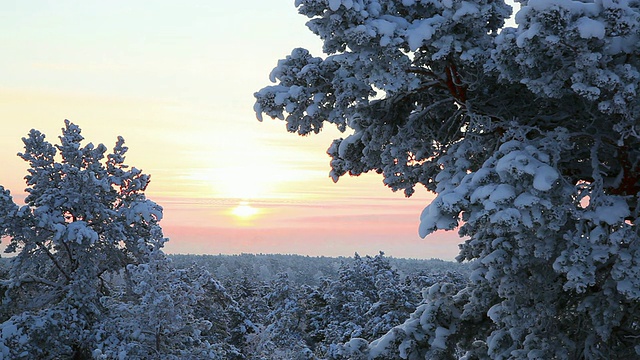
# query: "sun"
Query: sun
244,210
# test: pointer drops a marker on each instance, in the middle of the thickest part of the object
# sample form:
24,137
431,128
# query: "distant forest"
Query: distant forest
302,307
302,270
278,306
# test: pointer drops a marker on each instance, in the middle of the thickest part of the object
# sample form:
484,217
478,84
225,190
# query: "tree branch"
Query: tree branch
53,259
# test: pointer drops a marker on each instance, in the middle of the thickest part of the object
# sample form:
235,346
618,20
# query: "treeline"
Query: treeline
241,307
301,269
300,307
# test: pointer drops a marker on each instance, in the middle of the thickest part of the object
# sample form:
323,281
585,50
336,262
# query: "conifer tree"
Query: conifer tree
89,278
527,135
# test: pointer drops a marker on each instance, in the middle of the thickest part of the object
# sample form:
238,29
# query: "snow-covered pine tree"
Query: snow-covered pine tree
392,302
527,135
366,301
282,334
89,278
151,315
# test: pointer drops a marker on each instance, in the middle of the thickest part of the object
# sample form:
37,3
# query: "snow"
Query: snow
590,92
528,34
450,200
346,142
545,177
421,30
509,217
384,28
482,192
379,347
526,199
312,109
466,8
9,329
440,340
622,44
626,286
145,210
495,312
432,218
590,28
519,161
572,6
502,193
334,5
614,213
77,231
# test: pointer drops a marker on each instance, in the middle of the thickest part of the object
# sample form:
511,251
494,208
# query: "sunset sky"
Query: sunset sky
176,80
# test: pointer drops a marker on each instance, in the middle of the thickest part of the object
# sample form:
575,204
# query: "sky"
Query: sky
176,80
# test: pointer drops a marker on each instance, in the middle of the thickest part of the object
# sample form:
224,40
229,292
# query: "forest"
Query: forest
301,307
276,306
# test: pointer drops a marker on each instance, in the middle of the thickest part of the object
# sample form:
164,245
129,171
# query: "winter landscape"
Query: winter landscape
519,119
